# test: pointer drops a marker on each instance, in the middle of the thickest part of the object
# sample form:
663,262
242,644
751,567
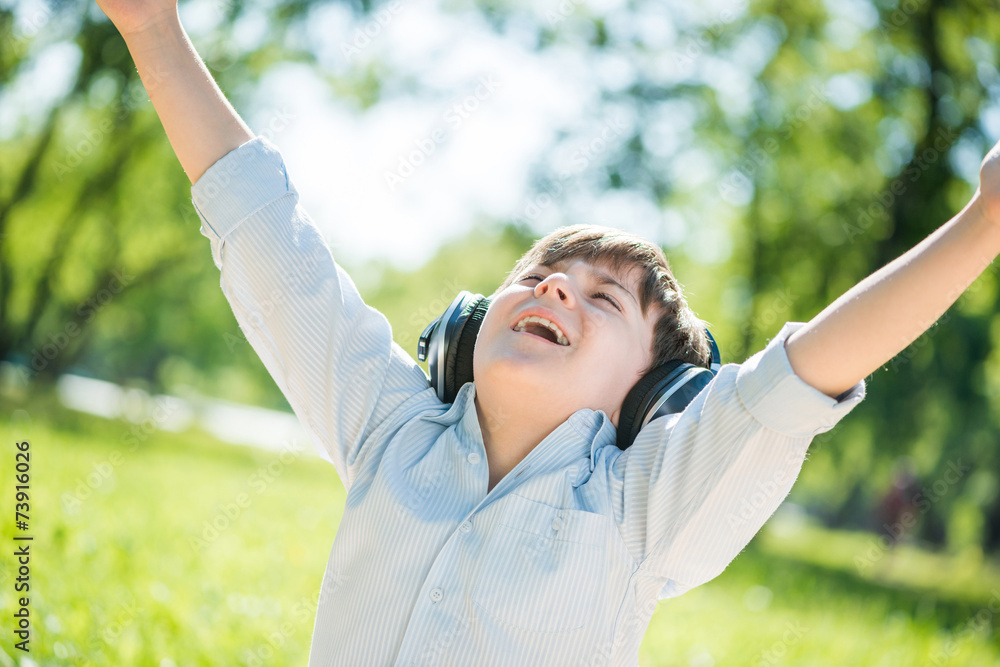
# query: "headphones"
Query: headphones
447,344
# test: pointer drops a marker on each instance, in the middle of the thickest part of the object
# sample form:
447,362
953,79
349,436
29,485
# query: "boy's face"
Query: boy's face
609,343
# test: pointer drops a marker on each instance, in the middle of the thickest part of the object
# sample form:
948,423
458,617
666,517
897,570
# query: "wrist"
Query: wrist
163,28
980,208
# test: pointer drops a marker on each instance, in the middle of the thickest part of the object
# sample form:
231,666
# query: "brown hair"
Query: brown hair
678,333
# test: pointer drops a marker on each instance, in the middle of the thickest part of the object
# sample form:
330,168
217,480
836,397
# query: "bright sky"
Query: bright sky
409,174
397,180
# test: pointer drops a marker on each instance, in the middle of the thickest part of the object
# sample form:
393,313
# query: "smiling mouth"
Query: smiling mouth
542,327
541,333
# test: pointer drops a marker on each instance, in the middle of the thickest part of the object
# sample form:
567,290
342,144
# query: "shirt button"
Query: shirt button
436,594
473,458
466,526
556,523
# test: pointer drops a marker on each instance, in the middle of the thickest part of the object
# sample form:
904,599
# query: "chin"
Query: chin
517,380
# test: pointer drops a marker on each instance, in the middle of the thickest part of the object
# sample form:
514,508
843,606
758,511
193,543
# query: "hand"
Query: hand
989,184
134,16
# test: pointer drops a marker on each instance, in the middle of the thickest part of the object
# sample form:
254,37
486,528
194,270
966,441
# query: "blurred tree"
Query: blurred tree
96,243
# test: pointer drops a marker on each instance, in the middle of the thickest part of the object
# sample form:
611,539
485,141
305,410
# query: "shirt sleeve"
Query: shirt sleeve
695,487
332,356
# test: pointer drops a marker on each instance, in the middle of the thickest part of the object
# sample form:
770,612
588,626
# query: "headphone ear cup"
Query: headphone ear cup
667,389
637,400
461,346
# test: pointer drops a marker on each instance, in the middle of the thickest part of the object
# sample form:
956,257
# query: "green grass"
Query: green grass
117,578
790,601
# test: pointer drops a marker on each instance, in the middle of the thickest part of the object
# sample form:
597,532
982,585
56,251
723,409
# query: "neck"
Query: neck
507,439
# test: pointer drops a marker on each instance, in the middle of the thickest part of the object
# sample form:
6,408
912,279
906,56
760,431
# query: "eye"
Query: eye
610,299
600,295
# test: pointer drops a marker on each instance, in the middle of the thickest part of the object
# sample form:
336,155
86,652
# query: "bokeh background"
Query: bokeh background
778,151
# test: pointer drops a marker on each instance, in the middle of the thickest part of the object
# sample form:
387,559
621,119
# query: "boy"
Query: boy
505,528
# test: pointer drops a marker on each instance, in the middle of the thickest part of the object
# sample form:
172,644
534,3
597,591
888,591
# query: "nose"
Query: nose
559,284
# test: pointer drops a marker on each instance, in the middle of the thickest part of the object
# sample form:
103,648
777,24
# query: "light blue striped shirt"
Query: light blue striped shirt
563,562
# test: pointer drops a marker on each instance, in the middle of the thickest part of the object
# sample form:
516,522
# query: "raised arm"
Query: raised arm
199,121
695,487
888,310
331,355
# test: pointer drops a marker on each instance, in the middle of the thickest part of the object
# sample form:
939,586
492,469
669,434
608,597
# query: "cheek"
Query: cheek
630,357
483,339
616,335
487,341
604,320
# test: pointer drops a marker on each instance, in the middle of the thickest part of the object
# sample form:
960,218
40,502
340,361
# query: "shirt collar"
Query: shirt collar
583,435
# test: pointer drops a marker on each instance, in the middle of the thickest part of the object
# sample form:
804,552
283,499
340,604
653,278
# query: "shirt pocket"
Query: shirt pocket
543,568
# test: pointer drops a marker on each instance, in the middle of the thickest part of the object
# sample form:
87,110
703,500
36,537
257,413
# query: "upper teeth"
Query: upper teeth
560,337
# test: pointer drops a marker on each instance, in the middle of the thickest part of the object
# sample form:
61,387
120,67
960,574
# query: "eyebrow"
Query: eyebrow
603,279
